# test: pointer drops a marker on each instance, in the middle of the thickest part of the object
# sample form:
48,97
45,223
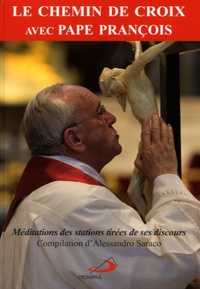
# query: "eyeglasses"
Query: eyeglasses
102,112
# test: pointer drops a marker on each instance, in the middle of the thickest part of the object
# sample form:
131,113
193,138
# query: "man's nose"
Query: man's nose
110,118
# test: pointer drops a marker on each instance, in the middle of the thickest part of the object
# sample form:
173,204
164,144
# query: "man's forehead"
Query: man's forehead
75,89
79,93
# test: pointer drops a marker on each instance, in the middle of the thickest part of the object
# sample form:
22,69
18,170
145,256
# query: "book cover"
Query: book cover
47,42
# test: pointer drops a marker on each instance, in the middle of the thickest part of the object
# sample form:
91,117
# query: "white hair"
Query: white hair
45,119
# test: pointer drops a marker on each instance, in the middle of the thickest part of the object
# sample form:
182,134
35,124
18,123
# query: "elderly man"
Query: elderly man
65,229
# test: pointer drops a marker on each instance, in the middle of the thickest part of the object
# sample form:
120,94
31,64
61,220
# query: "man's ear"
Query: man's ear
73,140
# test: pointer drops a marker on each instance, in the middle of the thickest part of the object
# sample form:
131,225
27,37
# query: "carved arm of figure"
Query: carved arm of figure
132,84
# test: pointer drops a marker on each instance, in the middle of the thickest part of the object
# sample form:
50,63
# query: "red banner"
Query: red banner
87,20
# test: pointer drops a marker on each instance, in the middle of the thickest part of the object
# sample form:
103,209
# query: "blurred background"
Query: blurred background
28,67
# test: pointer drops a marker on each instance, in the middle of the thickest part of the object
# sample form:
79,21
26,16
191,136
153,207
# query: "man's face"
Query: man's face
98,134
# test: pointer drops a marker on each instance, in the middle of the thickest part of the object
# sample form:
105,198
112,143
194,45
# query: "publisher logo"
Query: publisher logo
104,267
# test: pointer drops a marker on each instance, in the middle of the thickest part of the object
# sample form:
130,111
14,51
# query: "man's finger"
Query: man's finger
170,135
146,133
155,128
163,131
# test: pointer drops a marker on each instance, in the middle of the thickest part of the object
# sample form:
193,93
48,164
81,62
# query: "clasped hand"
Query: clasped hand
158,154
